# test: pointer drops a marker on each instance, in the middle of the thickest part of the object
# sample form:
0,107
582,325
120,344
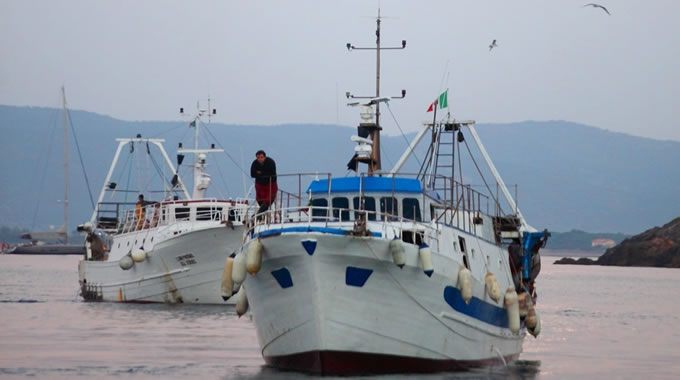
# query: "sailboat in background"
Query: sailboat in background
53,242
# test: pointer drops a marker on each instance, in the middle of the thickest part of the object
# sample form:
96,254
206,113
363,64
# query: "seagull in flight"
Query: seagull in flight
492,45
597,6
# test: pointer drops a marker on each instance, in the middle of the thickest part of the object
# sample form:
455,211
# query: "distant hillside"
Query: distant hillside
570,176
656,247
582,241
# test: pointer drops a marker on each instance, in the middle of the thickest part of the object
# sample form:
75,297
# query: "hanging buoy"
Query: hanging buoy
138,255
513,310
398,255
425,255
126,262
254,257
523,302
465,284
227,283
492,288
535,321
238,272
241,302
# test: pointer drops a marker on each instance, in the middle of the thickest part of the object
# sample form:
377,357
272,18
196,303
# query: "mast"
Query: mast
63,97
374,129
201,178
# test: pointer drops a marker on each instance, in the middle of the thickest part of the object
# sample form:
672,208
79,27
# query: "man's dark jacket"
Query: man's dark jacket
267,171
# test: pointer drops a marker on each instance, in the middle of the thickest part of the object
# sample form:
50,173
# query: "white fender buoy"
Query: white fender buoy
492,288
425,254
241,302
513,310
536,321
227,287
238,272
523,301
138,255
254,257
465,283
398,255
126,262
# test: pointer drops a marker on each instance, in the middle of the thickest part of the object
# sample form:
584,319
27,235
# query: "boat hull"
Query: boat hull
346,308
49,249
183,269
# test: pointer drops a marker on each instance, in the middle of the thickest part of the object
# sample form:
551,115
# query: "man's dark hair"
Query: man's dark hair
261,152
141,196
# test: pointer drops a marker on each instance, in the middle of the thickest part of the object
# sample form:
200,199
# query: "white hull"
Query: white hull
186,268
399,318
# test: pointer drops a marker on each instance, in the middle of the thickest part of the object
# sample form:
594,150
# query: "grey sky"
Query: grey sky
270,62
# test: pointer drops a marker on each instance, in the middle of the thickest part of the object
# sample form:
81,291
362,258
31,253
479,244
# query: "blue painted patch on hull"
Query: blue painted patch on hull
283,277
310,246
357,276
477,308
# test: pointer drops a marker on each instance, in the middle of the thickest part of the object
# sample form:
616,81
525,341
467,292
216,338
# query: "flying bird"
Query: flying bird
597,6
492,45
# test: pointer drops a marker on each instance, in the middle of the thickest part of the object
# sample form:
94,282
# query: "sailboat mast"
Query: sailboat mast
63,97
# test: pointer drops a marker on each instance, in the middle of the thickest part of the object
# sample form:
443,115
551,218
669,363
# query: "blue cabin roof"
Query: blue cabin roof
370,184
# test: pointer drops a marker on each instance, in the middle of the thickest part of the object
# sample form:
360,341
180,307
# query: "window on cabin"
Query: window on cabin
368,207
389,208
319,208
182,213
411,209
341,208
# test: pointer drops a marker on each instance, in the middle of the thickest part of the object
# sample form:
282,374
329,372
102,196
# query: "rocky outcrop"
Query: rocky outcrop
656,247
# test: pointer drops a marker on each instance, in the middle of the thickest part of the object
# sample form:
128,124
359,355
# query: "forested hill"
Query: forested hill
570,176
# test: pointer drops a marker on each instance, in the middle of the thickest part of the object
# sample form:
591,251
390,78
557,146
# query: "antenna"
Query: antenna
374,162
201,178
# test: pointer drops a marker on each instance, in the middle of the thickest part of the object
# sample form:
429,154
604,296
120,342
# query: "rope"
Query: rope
42,177
80,156
480,174
408,144
225,152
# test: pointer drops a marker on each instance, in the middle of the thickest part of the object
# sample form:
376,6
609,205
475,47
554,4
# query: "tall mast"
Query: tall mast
63,97
374,131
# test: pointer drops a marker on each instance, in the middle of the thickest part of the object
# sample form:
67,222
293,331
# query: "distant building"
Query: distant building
603,242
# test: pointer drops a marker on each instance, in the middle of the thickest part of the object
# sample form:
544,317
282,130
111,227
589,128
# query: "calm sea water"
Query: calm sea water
597,323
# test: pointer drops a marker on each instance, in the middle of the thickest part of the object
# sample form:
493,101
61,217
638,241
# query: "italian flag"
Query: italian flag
443,101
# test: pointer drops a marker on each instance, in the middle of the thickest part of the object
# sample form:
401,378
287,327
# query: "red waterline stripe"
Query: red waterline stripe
357,363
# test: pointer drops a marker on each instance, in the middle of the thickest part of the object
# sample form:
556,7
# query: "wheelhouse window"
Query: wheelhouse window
411,209
341,208
320,208
389,208
182,213
208,213
368,207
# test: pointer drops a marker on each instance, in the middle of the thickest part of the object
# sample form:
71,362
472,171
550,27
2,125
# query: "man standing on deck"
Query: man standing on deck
263,170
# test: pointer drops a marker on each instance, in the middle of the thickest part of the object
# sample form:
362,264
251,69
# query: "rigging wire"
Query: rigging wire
481,175
219,170
80,156
228,155
44,174
408,144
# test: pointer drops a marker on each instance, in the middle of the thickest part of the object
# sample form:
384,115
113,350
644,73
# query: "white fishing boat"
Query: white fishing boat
169,251
388,273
